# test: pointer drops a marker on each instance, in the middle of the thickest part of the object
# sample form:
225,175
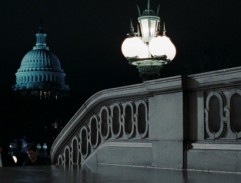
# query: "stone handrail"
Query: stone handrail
172,112
118,113
215,99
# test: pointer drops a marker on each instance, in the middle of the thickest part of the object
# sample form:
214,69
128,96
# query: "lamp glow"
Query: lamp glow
38,146
134,47
45,146
15,159
145,49
162,46
148,26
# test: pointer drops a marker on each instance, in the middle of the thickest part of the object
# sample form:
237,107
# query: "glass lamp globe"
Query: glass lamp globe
45,146
38,146
162,45
143,50
148,25
132,47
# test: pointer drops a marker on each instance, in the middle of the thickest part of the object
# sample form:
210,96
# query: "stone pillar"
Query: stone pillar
166,127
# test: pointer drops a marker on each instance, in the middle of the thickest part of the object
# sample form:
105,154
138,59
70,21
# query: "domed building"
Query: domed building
40,73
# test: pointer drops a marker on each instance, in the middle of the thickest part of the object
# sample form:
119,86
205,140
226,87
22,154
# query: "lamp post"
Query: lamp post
149,49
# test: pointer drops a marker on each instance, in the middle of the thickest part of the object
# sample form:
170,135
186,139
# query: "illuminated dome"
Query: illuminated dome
40,73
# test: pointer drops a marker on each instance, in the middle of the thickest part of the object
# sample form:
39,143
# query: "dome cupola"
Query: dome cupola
40,73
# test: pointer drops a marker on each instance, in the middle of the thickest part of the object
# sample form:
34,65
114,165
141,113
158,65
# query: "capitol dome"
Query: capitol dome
40,73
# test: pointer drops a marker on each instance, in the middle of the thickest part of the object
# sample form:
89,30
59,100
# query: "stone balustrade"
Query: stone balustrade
177,121
127,120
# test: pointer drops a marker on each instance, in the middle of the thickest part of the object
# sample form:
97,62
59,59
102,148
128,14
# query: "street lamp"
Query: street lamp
38,146
149,49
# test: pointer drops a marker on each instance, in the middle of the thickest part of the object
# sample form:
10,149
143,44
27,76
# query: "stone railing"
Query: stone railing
126,120
178,119
215,121
111,115
223,114
215,105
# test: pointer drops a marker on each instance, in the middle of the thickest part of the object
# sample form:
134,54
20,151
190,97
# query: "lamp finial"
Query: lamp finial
138,31
131,27
148,6
158,9
164,29
139,11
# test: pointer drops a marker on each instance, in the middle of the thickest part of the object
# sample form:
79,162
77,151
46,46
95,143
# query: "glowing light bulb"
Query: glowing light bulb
133,47
162,46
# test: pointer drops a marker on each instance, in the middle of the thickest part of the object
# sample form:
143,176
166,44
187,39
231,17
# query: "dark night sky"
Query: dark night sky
87,36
